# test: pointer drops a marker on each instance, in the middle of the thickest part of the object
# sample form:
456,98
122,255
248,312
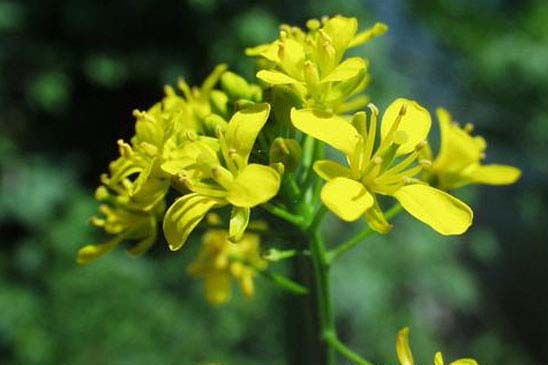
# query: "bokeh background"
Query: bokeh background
73,70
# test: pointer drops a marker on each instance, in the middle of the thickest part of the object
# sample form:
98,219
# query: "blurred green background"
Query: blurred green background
73,70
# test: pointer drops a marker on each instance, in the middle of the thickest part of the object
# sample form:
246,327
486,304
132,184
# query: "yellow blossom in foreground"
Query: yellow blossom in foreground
311,63
405,357
226,180
220,261
389,169
459,160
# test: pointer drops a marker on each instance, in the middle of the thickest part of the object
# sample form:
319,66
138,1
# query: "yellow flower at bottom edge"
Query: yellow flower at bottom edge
405,356
388,169
220,261
459,160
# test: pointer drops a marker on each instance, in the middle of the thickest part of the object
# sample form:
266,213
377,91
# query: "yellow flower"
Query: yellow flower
310,63
459,160
226,180
405,357
125,222
220,260
350,192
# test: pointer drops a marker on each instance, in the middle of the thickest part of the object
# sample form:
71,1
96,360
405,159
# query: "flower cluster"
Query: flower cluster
199,144
230,145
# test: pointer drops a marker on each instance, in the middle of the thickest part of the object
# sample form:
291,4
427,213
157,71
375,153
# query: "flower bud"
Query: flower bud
286,151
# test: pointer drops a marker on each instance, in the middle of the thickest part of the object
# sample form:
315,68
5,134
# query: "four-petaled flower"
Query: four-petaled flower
350,192
459,160
229,179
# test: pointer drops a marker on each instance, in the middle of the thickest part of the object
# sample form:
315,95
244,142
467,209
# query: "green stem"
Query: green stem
279,212
359,237
321,274
285,283
342,349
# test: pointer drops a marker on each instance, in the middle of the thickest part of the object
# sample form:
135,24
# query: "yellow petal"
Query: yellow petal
402,347
331,129
368,34
464,362
276,78
254,185
184,215
458,149
341,30
438,359
494,174
244,127
239,219
346,70
268,51
217,287
415,123
346,198
292,56
89,253
444,213
328,170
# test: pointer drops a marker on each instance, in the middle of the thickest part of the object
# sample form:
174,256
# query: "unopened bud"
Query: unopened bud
286,151
235,86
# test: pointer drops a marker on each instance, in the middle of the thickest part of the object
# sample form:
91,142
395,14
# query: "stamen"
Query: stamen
222,176
420,145
402,165
281,50
190,135
311,75
326,38
469,128
359,122
426,164
124,148
387,140
370,144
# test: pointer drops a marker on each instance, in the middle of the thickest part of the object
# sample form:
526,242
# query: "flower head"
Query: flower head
387,169
405,357
220,261
311,63
459,160
224,177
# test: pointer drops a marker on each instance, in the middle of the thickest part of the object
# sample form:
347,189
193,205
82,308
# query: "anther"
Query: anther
190,135
125,149
313,24
425,163
483,155
377,160
420,145
373,108
407,180
469,128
